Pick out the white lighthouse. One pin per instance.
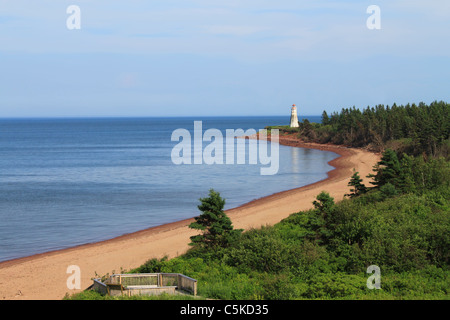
(294, 118)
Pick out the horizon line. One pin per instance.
(143, 117)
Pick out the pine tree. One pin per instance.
(387, 170)
(215, 224)
(325, 118)
(325, 206)
(324, 203)
(406, 178)
(358, 187)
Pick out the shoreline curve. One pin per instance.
(43, 276)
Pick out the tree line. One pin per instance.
(413, 129)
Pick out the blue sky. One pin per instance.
(193, 58)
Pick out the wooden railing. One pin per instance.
(148, 280)
(187, 284)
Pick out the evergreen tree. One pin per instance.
(324, 203)
(406, 177)
(215, 224)
(358, 187)
(325, 118)
(388, 169)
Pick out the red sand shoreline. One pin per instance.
(131, 250)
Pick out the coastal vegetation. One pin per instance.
(218, 232)
(400, 222)
(412, 129)
(323, 253)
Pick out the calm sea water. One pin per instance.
(65, 182)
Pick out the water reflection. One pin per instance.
(295, 156)
(308, 162)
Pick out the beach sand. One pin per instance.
(44, 276)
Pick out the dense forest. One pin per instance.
(400, 222)
(413, 129)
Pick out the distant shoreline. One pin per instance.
(25, 278)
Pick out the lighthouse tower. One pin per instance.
(294, 118)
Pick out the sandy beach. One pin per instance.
(44, 276)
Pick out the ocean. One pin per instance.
(67, 182)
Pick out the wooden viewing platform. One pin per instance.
(145, 284)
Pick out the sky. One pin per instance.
(219, 58)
